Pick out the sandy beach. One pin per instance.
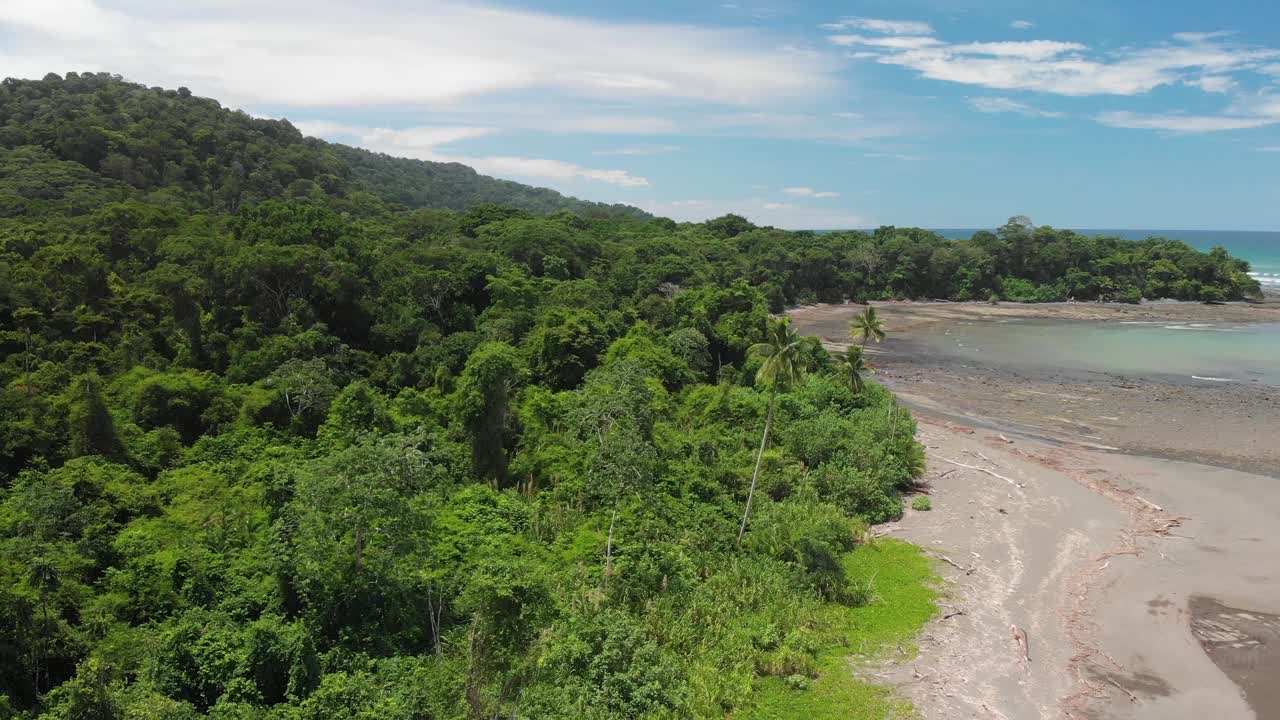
(1143, 578)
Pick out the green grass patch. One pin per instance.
(921, 502)
(903, 587)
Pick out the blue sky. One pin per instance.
(1078, 113)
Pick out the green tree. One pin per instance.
(46, 578)
(92, 430)
(851, 366)
(356, 509)
(782, 367)
(358, 409)
(483, 403)
(866, 326)
(306, 386)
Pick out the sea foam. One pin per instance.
(1268, 279)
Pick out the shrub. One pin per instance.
(922, 503)
(797, 682)
(810, 536)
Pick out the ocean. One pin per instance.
(1261, 249)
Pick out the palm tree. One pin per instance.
(866, 326)
(851, 366)
(44, 576)
(782, 366)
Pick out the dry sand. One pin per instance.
(1146, 587)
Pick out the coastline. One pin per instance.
(1167, 416)
(1145, 583)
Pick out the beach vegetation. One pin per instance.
(866, 326)
(781, 366)
(851, 366)
(921, 503)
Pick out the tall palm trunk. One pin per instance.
(764, 439)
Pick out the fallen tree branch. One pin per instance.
(980, 469)
(1149, 504)
(1132, 697)
(1024, 643)
(954, 564)
(950, 615)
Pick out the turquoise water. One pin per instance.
(1261, 249)
(1207, 352)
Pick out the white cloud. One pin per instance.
(897, 42)
(809, 192)
(1262, 105)
(327, 53)
(1022, 24)
(1196, 37)
(762, 212)
(82, 19)
(1180, 123)
(326, 128)
(1069, 68)
(549, 169)
(1212, 83)
(639, 150)
(423, 143)
(886, 27)
(1034, 50)
(890, 156)
(1005, 105)
(1244, 113)
(420, 138)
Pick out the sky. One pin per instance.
(934, 113)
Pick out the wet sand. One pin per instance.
(1146, 581)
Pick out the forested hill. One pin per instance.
(191, 151)
(453, 186)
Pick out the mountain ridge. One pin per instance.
(152, 139)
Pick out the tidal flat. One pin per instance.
(1121, 511)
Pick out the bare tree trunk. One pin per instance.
(434, 614)
(764, 439)
(359, 549)
(608, 551)
(475, 701)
